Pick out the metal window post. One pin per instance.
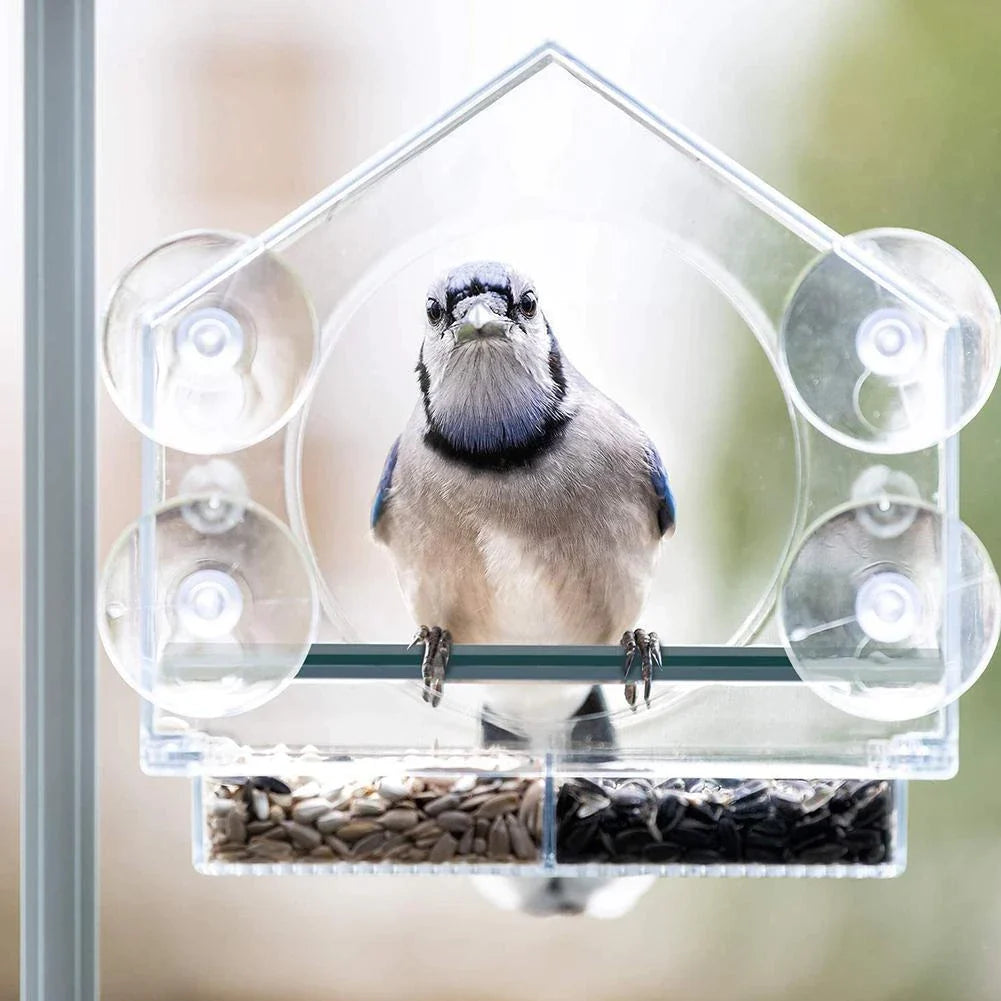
(58, 822)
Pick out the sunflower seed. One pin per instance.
(423, 828)
(260, 804)
(521, 843)
(395, 840)
(454, 821)
(331, 821)
(465, 843)
(230, 855)
(396, 852)
(308, 791)
(277, 850)
(322, 852)
(236, 828)
(497, 805)
(441, 804)
(529, 802)
(370, 806)
(357, 829)
(464, 784)
(592, 805)
(443, 850)
(341, 848)
(302, 836)
(480, 846)
(307, 810)
(392, 790)
(499, 843)
(269, 784)
(399, 819)
(369, 845)
(470, 803)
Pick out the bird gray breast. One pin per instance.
(561, 550)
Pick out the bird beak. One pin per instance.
(480, 322)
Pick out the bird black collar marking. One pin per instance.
(500, 460)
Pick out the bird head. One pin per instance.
(483, 308)
(490, 369)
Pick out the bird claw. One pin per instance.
(437, 648)
(648, 647)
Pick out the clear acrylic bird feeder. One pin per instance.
(812, 661)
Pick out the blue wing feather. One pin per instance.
(665, 499)
(385, 483)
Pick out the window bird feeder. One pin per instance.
(268, 375)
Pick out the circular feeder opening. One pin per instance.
(642, 325)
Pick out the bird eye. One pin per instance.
(528, 304)
(434, 311)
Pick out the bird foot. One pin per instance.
(437, 648)
(647, 645)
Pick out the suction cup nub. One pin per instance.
(889, 610)
(209, 344)
(891, 342)
(207, 606)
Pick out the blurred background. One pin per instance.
(229, 114)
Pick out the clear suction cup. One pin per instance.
(888, 368)
(222, 371)
(889, 610)
(207, 607)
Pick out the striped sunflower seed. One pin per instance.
(341, 848)
(441, 804)
(497, 805)
(499, 842)
(274, 850)
(307, 810)
(529, 802)
(260, 804)
(454, 821)
(331, 821)
(521, 843)
(302, 836)
(443, 850)
(357, 829)
(236, 828)
(399, 819)
(423, 828)
(368, 806)
(369, 845)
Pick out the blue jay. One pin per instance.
(520, 504)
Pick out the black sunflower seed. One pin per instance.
(705, 821)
